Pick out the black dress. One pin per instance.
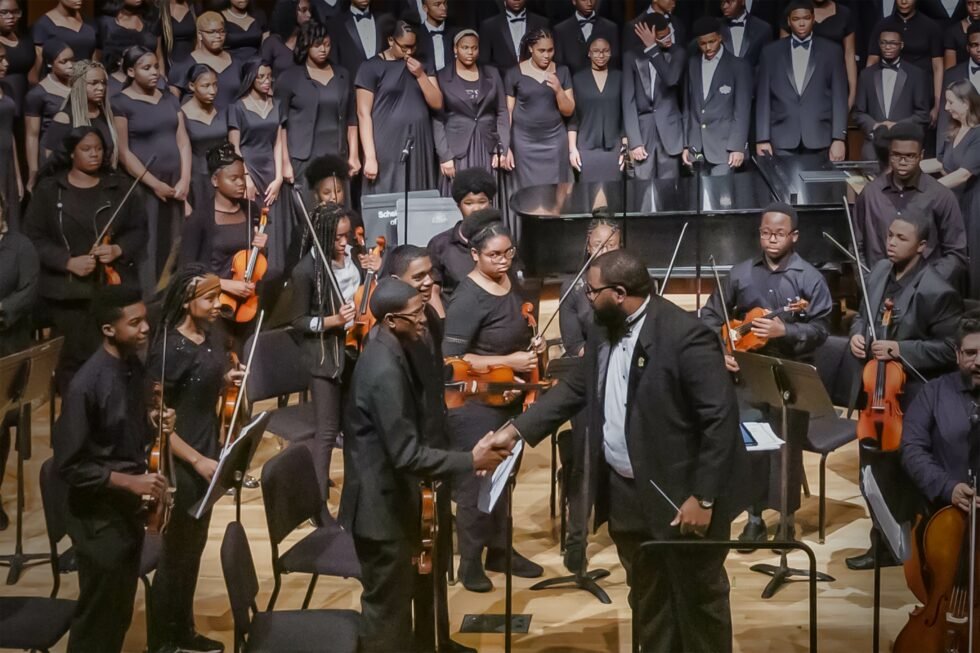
(399, 112)
(43, 104)
(835, 28)
(203, 137)
(243, 44)
(955, 39)
(114, 39)
(538, 139)
(967, 155)
(598, 120)
(53, 138)
(20, 60)
(275, 51)
(19, 268)
(8, 173)
(229, 80)
(185, 38)
(83, 43)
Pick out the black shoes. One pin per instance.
(455, 647)
(753, 532)
(198, 643)
(520, 566)
(866, 560)
(473, 577)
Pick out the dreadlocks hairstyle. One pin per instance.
(325, 218)
(180, 290)
(77, 102)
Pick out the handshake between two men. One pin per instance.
(493, 449)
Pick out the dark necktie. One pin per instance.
(736, 23)
(586, 21)
(517, 19)
(974, 70)
(437, 30)
(889, 66)
(801, 44)
(364, 16)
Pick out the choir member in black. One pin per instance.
(744, 34)
(595, 132)
(395, 93)
(890, 91)
(318, 100)
(328, 180)
(939, 429)
(323, 11)
(651, 100)
(127, 23)
(65, 22)
(501, 36)
(287, 20)
(654, 415)
(435, 37)
(772, 281)
(475, 119)
(358, 34)
(485, 327)
(801, 92)
(969, 70)
(20, 53)
(210, 51)
(923, 48)
(906, 189)
(719, 102)
(19, 268)
(575, 34)
(87, 104)
(196, 373)
(246, 28)
(68, 210)
(152, 139)
(832, 21)
(100, 443)
(45, 100)
(178, 30)
(320, 321)
(540, 98)
(206, 126)
(11, 184)
(954, 41)
(386, 454)
(473, 191)
(632, 40)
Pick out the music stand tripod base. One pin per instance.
(782, 574)
(585, 582)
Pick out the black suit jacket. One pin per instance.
(786, 118)
(571, 49)
(756, 35)
(425, 46)
(719, 124)
(682, 427)
(496, 45)
(384, 451)
(298, 95)
(453, 127)
(346, 49)
(324, 13)
(632, 42)
(911, 99)
(665, 105)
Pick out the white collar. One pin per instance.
(713, 62)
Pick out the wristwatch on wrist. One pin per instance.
(706, 503)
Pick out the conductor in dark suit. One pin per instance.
(801, 92)
(719, 102)
(744, 34)
(574, 34)
(890, 91)
(651, 101)
(385, 458)
(654, 416)
(500, 36)
(356, 36)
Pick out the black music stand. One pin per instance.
(232, 467)
(25, 379)
(782, 385)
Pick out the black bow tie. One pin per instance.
(889, 66)
(437, 30)
(517, 19)
(586, 21)
(974, 70)
(801, 44)
(364, 16)
(736, 23)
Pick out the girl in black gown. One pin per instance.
(485, 326)
(87, 104)
(954, 39)
(211, 52)
(64, 22)
(197, 371)
(595, 133)
(44, 101)
(207, 128)
(127, 23)
(288, 18)
(246, 28)
(394, 96)
(178, 30)
(76, 194)
(20, 52)
(11, 185)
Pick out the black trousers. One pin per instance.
(327, 402)
(172, 595)
(108, 538)
(680, 601)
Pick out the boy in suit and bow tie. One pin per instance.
(356, 36)
(574, 34)
(500, 36)
(744, 34)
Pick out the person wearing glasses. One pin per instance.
(211, 52)
(903, 188)
(485, 327)
(772, 280)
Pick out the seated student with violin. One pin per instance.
(196, 370)
(100, 444)
(386, 456)
(473, 190)
(783, 303)
(916, 313)
(486, 326)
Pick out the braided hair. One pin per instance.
(531, 39)
(180, 290)
(77, 102)
(326, 219)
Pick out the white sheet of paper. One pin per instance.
(493, 485)
(766, 439)
(898, 536)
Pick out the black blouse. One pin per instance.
(598, 117)
(478, 322)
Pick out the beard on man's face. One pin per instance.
(612, 318)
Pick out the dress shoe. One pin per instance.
(866, 560)
(198, 643)
(520, 566)
(754, 531)
(473, 577)
(455, 647)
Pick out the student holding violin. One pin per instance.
(197, 371)
(485, 326)
(769, 284)
(924, 311)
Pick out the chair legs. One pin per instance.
(275, 588)
(552, 498)
(309, 591)
(823, 496)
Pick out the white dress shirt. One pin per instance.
(438, 33)
(617, 385)
(708, 68)
(887, 8)
(950, 6)
(653, 70)
(974, 74)
(349, 280)
(801, 59)
(585, 27)
(517, 29)
(738, 33)
(888, 77)
(748, 5)
(366, 32)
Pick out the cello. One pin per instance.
(160, 460)
(248, 265)
(364, 319)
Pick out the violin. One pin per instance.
(880, 422)
(947, 620)
(364, 319)
(740, 331)
(109, 274)
(534, 377)
(496, 385)
(160, 460)
(229, 401)
(248, 265)
(428, 527)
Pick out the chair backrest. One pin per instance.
(278, 367)
(54, 499)
(829, 361)
(289, 491)
(238, 568)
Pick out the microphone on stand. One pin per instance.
(407, 150)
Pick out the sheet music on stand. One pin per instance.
(897, 535)
(493, 485)
(235, 459)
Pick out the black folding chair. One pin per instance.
(292, 497)
(278, 371)
(296, 631)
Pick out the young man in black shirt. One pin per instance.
(100, 447)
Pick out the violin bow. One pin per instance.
(724, 305)
(857, 259)
(319, 247)
(847, 252)
(122, 203)
(673, 258)
(241, 391)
